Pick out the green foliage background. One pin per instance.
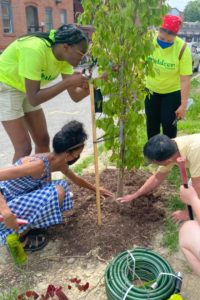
(192, 11)
(122, 39)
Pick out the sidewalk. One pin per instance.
(58, 111)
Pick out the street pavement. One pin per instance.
(58, 111)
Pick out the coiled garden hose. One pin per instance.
(139, 274)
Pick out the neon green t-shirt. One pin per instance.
(168, 68)
(30, 58)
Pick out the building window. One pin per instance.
(49, 18)
(63, 16)
(32, 19)
(7, 16)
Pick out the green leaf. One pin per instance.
(121, 40)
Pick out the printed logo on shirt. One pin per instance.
(47, 77)
(162, 62)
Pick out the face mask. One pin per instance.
(71, 162)
(164, 44)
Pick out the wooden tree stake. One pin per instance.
(95, 149)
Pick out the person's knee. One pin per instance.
(61, 193)
(185, 233)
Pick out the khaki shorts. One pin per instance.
(13, 103)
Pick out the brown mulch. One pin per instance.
(123, 225)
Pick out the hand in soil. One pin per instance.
(180, 216)
(126, 198)
(106, 192)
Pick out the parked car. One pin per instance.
(195, 56)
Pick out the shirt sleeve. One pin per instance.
(30, 63)
(165, 169)
(67, 69)
(186, 62)
(193, 158)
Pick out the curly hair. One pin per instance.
(71, 137)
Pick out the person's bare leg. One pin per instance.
(36, 124)
(189, 240)
(61, 194)
(19, 136)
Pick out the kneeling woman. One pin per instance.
(27, 191)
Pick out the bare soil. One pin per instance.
(123, 225)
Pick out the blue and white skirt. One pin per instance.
(39, 207)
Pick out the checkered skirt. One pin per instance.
(34, 200)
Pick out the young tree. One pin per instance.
(122, 40)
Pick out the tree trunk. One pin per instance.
(120, 181)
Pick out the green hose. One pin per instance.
(141, 266)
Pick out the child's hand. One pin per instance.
(179, 216)
(187, 195)
(10, 221)
(127, 198)
(106, 192)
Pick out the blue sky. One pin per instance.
(180, 4)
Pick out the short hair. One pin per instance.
(159, 148)
(71, 137)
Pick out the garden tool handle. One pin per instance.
(181, 164)
(178, 284)
(19, 221)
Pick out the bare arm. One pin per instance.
(195, 203)
(4, 209)
(152, 183)
(84, 183)
(185, 91)
(36, 95)
(9, 217)
(196, 185)
(77, 93)
(34, 169)
(78, 180)
(190, 197)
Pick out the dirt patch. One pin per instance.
(123, 225)
(80, 248)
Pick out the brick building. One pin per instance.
(190, 32)
(21, 16)
(78, 9)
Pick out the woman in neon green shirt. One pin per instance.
(28, 64)
(170, 85)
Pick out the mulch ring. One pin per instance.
(123, 225)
